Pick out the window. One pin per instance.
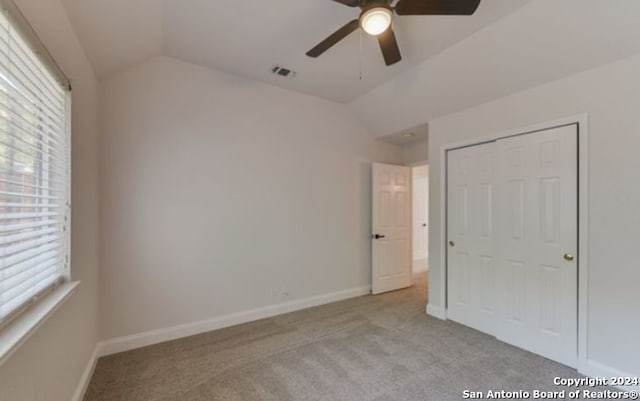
(34, 171)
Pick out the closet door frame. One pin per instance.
(582, 122)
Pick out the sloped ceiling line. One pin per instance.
(248, 37)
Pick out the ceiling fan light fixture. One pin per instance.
(376, 21)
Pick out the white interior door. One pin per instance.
(470, 228)
(536, 184)
(420, 219)
(391, 215)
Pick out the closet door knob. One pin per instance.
(451, 243)
(568, 257)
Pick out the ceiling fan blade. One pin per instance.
(350, 3)
(334, 38)
(437, 7)
(389, 47)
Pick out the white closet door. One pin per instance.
(536, 237)
(391, 264)
(470, 256)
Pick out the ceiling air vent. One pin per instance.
(283, 72)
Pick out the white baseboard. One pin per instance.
(596, 369)
(134, 341)
(436, 311)
(85, 379)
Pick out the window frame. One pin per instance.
(20, 323)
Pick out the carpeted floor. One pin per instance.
(381, 348)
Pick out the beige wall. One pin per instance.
(49, 365)
(611, 97)
(219, 191)
(416, 153)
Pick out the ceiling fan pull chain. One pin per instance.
(360, 57)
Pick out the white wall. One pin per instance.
(611, 96)
(416, 153)
(218, 190)
(49, 365)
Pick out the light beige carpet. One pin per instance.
(368, 348)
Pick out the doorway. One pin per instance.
(420, 199)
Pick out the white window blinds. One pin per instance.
(34, 174)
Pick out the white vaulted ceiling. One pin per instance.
(249, 37)
(117, 34)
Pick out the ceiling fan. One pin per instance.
(376, 17)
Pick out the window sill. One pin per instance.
(19, 330)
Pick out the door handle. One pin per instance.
(424, 224)
(451, 243)
(568, 257)
(378, 236)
